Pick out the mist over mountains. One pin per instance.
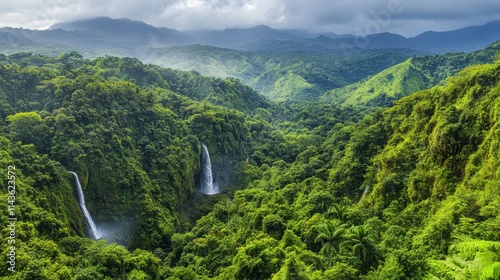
(133, 38)
(280, 64)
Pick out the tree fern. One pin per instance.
(453, 267)
(491, 272)
(473, 259)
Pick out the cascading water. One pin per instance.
(364, 192)
(207, 182)
(81, 200)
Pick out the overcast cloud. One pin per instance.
(406, 17)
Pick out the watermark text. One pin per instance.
(11, 217)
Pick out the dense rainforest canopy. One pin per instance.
(311, 190)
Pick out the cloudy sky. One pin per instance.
(406, 17)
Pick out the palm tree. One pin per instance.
(361, 243)
(331, 234)
(338, 211)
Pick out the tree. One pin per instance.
(25, 127)
(259, 259)
(338, 211)
(342, 271)
(472, 259)
(273, 225)
(331, 234)
(361, 242)
(362, 245)
(293, 269)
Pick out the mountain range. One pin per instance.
(128, 37)
(280, 64)
(370, 161)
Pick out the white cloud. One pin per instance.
(340, 16)
(197, 14)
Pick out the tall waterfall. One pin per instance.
(206, 179)
(81, 200)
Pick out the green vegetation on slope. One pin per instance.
(133, 138)
(391, 84)
(417, 73)
(428, 166)
(317, 191)
(283, 76)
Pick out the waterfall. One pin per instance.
(81, 200)
(206, 180)
(364, 192)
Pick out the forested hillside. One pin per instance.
(282, 74)
(408, 192)
(310, 190)
(129, 132)
(416, 73)
(283, 65)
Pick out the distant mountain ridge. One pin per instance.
(280, 76)
(391, 84)
(126, 37)
(126, 30)
(281, 64)
(460, 40)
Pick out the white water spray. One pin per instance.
(81, 199)
(364, 192)
(207, 182)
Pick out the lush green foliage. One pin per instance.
(428, 166)
(134, 142)
(311, 191)
(417, 73)
(286, 75)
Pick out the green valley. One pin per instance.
(282, 75)
(404, 193)
(309, 190)
(131, 151)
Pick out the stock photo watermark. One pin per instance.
(11, 218)
(378, 21)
